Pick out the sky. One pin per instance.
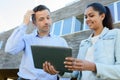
(12, 11)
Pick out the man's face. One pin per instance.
(43, 21)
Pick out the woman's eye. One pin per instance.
(91, 15)
(85, 17)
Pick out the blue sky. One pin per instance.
(12, 11)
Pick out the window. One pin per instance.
(85, 27)
(115, 11)
(67, 25)
(1, 42)
(57, 28)
(111, 7)
(78, 25)
(118, 10)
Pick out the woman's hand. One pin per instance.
(47, 67)
(80, 65)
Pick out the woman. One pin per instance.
(99, 55)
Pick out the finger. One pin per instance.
(70, 67)
(54, 70)
(69, 59)
(51, 69)
(45, 67)
(30, 12)
(68, 63)
(75, 65)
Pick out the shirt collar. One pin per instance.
(35, 32)
(104, 31)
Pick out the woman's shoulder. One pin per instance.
(112, 33)
(115, 30)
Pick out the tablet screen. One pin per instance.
(53, 54)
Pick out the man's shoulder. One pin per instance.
(29, 36)
(57, 36)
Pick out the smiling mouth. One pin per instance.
(90, 23)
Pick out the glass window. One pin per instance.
(67, 26)
(57, 28)
(1, 42)
(118, 9)
(86, 27)
(51, 29)
(78, 25)
(111, 7)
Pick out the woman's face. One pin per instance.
(93, 18)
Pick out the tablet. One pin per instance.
(55, 55)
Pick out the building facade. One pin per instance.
(68, 22)
(75, 22)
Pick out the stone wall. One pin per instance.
(74, 40)
(76, 9)
(10, 62)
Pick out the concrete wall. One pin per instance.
(75, 9)
(8, 61)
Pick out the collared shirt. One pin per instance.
(20, 41)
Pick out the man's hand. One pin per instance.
(47, 67)
(73, 79)
(27, 17)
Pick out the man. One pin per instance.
(19, 41)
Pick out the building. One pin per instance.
(71, 16)
(74, 18)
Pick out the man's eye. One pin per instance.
(41, 19)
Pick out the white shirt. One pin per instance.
(89, 57)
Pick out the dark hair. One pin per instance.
(107, 22)
(39, 8)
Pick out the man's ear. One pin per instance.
(34, 23)
(33, 18)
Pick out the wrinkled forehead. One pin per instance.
(42, 13)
